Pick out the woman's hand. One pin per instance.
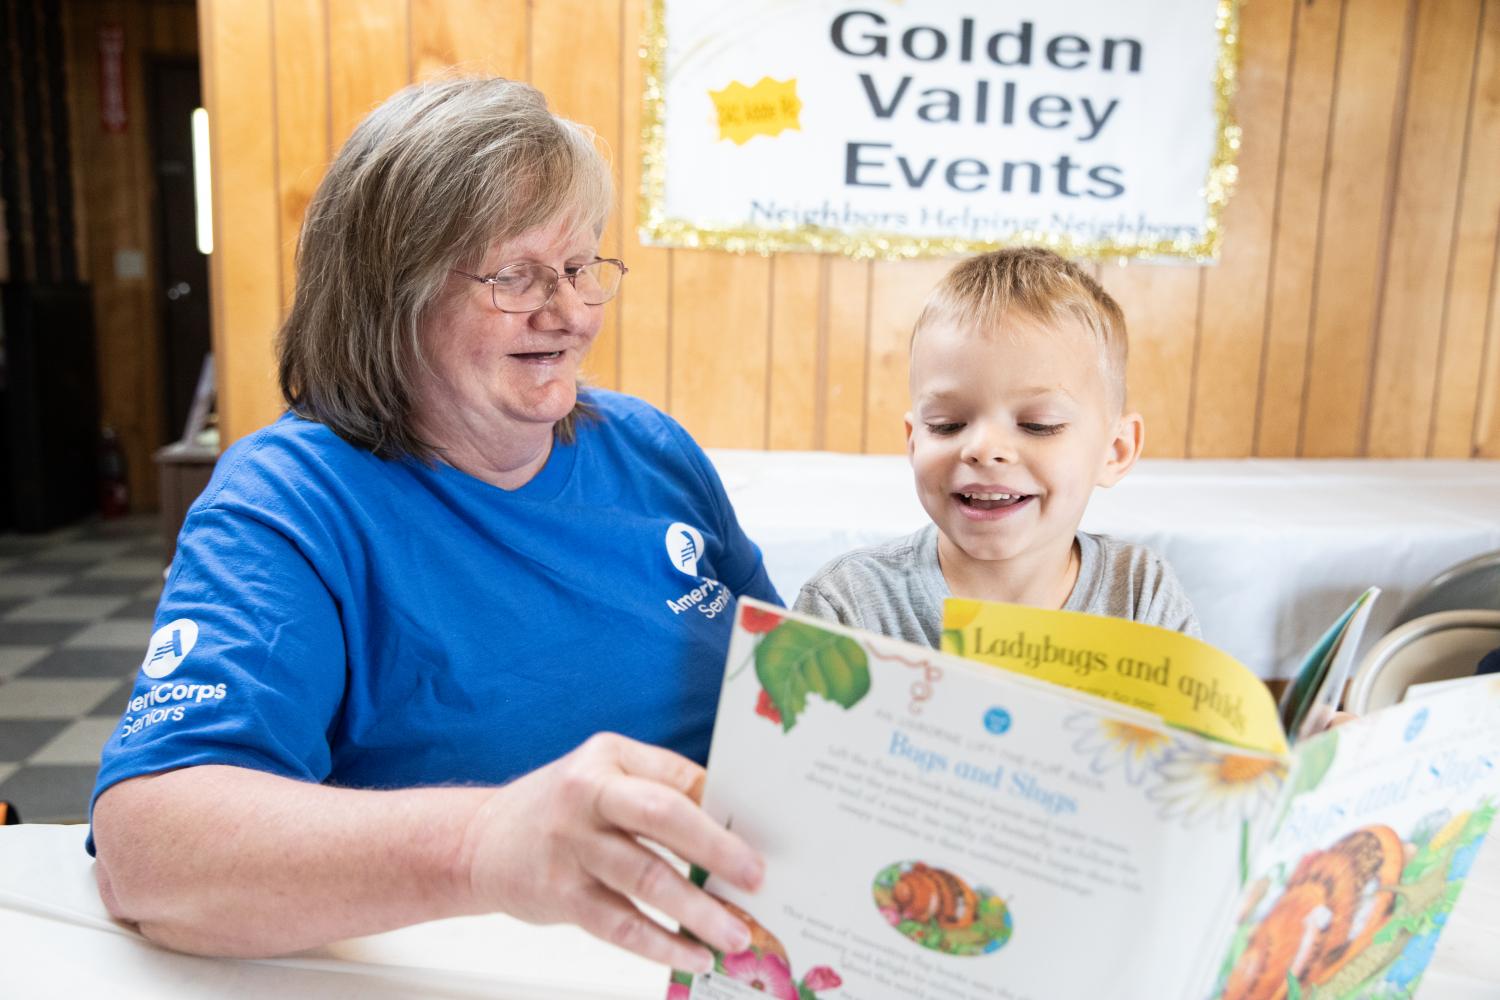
(560, 845)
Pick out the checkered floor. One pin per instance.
(75, 613)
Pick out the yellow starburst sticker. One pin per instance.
(768, 108)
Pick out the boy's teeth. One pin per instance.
(992, 496)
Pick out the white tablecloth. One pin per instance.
(1270, 551)
(57, 941)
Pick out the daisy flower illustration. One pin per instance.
(1110, 741)
(1199, 782)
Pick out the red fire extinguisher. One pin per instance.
(114, 490)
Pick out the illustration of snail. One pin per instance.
(1332, 907)
(924, 894)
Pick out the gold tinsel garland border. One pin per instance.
(657, 230)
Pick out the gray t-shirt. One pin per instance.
(897, 588)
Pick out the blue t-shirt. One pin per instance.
(335, 617)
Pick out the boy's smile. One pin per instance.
(983, 503)
(1010, 431)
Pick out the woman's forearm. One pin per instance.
(228, 861)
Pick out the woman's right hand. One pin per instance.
(560, 845)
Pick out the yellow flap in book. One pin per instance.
(1184, 681)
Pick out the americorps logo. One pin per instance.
(684, 547)
(708, 597)
(169, 646)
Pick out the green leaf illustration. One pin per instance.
(1314, 761)
(797, 659)
(1479, 823)
(1314, 758)
(1425, 861)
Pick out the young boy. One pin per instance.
(1017, 413)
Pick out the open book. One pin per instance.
(956, 827)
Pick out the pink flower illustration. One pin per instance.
(821, 978)
(765, 972)
(678, 991)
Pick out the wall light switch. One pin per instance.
(130, 265)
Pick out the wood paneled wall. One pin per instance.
(1353, 311)
(38, 237)
(117, 211)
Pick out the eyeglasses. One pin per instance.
(526, 287)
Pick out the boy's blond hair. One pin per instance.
(1035, 283)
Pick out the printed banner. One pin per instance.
(878, 128)
(113, 113)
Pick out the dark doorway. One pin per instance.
(183, 274)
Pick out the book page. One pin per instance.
(1313, 697)
(1380, 822)
(1430, 688)
(1184, 681)
(935, 828)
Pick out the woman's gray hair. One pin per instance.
(425, 184)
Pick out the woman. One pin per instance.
(398, 616)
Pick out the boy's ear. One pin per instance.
(1124, 449)
(907, 420)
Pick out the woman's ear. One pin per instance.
(1123, 449)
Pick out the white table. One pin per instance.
(1270, 551)
(56, 940)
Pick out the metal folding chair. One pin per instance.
(1474, 583)
(1436, 647)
